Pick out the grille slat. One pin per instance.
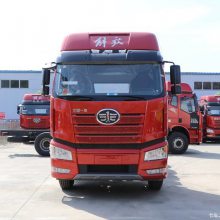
(91, 119)
(108, 129)
(129, 129)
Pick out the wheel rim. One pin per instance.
(178, 143)
(45, 144)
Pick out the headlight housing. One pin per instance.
(59, 153)
(157, 154)
(209, 130)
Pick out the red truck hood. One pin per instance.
(140, 121)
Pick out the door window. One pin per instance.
(174, 101)
(188, 104)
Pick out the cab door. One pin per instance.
(189, 117)
(173, 113)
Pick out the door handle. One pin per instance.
(180, 120)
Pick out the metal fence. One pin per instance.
(9, 124)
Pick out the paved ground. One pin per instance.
(192, 190)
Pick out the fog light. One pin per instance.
(156, 171)
(60, 170)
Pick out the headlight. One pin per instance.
(157, 154)
(59, 153)
(208, 130)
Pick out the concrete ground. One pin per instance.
(27, 191)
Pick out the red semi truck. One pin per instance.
(210, 107)
(109, 109)
(34, 123)
(184, 119)
(34, 111)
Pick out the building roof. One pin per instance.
(20, 71)
(197, 73)
(39, 71)
(110, 41)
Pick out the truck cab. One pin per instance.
(34, 111)
(210, 108)
(109, 109)
(184, 119)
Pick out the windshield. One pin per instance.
(35, 110)
(213, 110)
(144, 80)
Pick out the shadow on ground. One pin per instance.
(12, 156)
(199, 154)
(133, 200)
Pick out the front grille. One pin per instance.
(42, 124)
(217, 123)
(128, 130)
(108, 169)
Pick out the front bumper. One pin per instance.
(64, 169)
(213, 136)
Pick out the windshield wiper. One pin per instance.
(130, 97)
(77, 98)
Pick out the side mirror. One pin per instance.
(175, 77)
(46, 82)
(46, 77)
(18, 109)
(202, 109)
(46, 90)
(176, 89)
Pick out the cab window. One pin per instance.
(174, 101)
(188, 104)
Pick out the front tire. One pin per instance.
(178, 143)
(155, 184)
(66, 184)
(42, 144)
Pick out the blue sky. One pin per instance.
(188, 31)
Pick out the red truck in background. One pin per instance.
(210, 108)
(184, 119)
(109, 109)
(34, 112)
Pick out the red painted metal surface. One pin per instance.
(36, 98)
(110, 41)
(35, 122)
(210, 98)
(141, 122)
(109, 157)
(184, 87)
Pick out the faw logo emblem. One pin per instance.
(108, 116)
(36, 120)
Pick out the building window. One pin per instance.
(14, 83)
(216, 85)
(4, 83)
(207, 85)
(197, 85)
(24, 84)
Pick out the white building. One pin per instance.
(201, 83)
(13, 85)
